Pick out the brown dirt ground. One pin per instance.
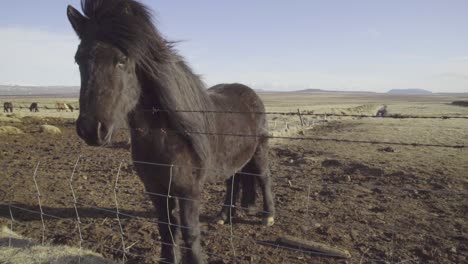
(378, 213)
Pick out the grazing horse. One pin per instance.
(62, 107)
(70, 107)
(34, 107)
(127, 71)
(382, 112)
(8, 107)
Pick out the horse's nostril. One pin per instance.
(104, 132)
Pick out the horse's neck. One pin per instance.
(146, 114)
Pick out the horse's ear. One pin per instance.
(77, 20)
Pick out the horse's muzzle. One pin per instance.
(94, 133)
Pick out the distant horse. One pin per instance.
(382, 112)
(127, 70)
(8, 107)
(34, 107)
(62, 107)
(70, 107)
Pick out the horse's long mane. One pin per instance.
(128, 25)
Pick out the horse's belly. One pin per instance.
(231, 159)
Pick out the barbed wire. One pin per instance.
(290, 113)
(304, 138)
(306, 113)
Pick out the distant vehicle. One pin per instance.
(8, 107)
(34, 107)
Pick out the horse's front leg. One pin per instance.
(189, 216)
(168, 228)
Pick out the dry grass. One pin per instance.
(9, 130)
(15, 249)
(6, 119)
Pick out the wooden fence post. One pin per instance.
(300, 117)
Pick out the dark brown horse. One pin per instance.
(34, 107)
(382, 112)
(8, 107)
(127, 68)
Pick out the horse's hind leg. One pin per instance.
(232, 192)
(259, 165)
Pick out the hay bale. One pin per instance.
(15, 249)
(7, 119)
(48, 129)
(9, 130)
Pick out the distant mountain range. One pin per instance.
(409, 91)
(16, 90)
(329, 91)
(73, 91)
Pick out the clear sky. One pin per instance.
(370, 45)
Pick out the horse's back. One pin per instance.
(239, 111)
(236, 97)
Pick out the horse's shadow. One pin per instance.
(28, 213)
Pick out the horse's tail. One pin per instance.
(249, 190)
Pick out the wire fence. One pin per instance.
(124, 250)
(234, 239)
(299, 113)
(302, 124)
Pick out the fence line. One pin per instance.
(259, 242)
(304, 138)
(110, 212)
(124, 256)
(299, 113)
(117, 212)
(125, 251)
(78, 219)
(180, 226)
(39, 201)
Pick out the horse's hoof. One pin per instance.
(269, 221)
(220, 222)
